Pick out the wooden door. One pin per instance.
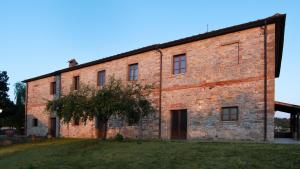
(53, 127)
(100, 128)
(178, 124)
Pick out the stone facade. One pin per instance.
(226, 70)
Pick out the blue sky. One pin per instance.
(38, 37)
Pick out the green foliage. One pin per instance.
(73, 106)
(6, 105)
(107, 101)
(7, 117)
(13, 115)
(118, 137)
(4, 101)
(127, 101)
(135, 102)
(19, 117)
(282, 122)
(3, 86)
(20, 90)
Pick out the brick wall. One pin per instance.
(226, 70)
(38, 95)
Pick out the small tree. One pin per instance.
(3, 86)
(72, 106)
(113, 99)
(9, 116)
(105, 103)
(136, 104)
(19, 117)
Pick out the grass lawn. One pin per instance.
(78, 153)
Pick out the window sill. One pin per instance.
(179, 75)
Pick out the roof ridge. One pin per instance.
(276, 18)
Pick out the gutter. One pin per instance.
(265, 81)
(160, 90)
(278, 19)
(26, 101)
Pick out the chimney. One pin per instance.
(72, 63)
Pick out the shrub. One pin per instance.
(118, 137)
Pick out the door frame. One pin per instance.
(53, 129)
(99, 128)
(179, 122)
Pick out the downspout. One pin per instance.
(58, 95)
(26, 101)
(160, 90)
(265, 81)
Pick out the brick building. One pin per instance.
(216, 85)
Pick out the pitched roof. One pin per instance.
(278, 19)
(286, 107)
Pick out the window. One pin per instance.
(53, 88)
(229, 113)
(35, 122)
(133, 72)
(76, 82)
(76, 122)
(179, 64)
(101, 78)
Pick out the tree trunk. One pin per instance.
(141, 128)
(102, 128)
(105, 130)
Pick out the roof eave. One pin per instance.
(278, 19)
(279, 42)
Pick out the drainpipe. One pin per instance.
(26, 102)
(58, 95)
(265, 81)
(160, 90)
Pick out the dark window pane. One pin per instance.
(76, 82)
(179, 64)
(34, 122)
(53, 88)
(176, 67)
(233, 113)
(182, 65)
(133, 72)
(101, 78)
(183, 58)
(182, 70)
(230, 113)
(225, 114)
(76, 122)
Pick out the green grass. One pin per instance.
(79, 154)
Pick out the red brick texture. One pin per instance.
(221, 71)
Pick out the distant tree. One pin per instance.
(12, 114)
(127, 101)
(282, 122)
(8, 112)
(7, 106)
(19, 117)
(3, 88)
(20, 89)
